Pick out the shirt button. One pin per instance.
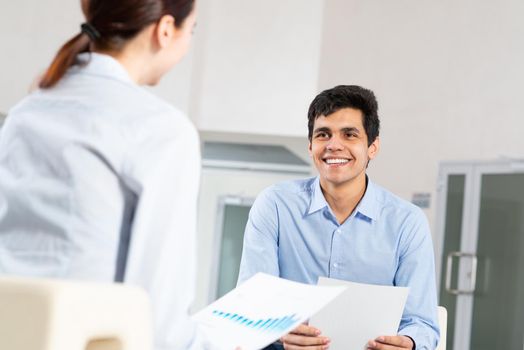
(338, 231)
(335, 265)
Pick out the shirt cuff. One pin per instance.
(422, 341)
(414, 342)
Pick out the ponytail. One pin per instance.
(64, 59)
(110, 24)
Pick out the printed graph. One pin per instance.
(277, 324)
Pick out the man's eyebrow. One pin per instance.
(321, 129)
(351, 129)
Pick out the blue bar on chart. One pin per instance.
(265, 325)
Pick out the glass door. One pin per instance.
(481, 258)
(498, 300)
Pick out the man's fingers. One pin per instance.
(296, 339)
(288, 346)
(373, 345)
(398, 342)
(304, 329)
(305, 337)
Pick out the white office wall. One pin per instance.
(448, 75)
(256, 67)
(32, 31)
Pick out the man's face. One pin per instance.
(339, 147)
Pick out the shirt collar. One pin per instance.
(368, 206)
(93, 63)
(318, 201)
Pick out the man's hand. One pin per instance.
(396, 342)
(305, 337)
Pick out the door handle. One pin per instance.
(449, 271)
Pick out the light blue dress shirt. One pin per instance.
(92, 160)
(293, 233)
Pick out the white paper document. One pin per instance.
(362, 312)
(260, 311)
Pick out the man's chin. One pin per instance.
(334, 181)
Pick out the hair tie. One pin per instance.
(90, 31)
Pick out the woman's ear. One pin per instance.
(165, 30)
(85, 6)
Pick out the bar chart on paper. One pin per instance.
(276, 324)
(260, 311)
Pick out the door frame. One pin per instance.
(223, 201)
(473, 171)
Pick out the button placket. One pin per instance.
(335, 257)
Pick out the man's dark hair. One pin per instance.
(346, 96)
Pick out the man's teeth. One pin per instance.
(337, 161)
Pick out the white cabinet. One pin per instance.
(256, 65)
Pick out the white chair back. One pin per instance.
(443, 324)
(43, 314)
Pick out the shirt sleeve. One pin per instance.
(260, 250)
(416, 270)
(164, 170)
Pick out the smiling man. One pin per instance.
(342, 225)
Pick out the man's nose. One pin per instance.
(335, 144)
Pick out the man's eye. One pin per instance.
(321, 135)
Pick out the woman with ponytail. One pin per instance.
(98, 177)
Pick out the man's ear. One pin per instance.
(165, 30)
(309, 149)
(374, 148)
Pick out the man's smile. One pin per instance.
(336, 160)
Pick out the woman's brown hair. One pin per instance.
(109, 25)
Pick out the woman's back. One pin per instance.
(73, 162)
